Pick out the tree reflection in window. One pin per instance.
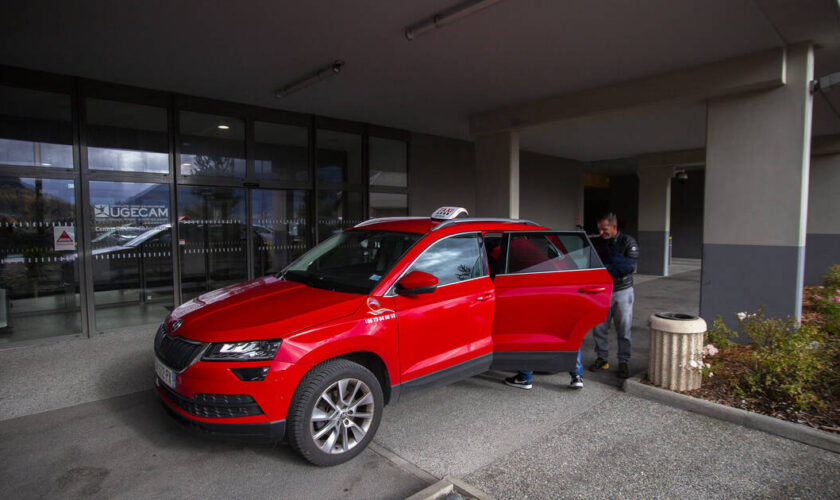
(453, 259)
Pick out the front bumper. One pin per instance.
(179, 407)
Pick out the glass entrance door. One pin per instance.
(212, 238)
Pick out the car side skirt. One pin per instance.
(541, 361)
(443, 377)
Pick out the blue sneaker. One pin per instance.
(519, 382)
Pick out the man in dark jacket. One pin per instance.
(618, 252)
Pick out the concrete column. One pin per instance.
(823, 239)
(654, 219)
(757, 160)
(497, 175)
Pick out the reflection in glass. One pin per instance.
(338, 210)
(388, 204)
(339, 157)
(454, 259)
(212, 238)
(212, 145)
(279, 227)
(352, 261)
(388, 162)
(131, 242)
(39, 279)
(536, 253)
(126, 137)
(35, 128)
(281, 152)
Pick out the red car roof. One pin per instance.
(422, 225)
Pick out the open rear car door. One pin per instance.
(551, 289)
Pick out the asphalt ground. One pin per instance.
(549, 442)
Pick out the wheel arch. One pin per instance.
(376, 365)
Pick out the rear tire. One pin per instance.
(335, 412)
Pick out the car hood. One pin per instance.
(260, 309)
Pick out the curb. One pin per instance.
(448, 485)
(771, 425)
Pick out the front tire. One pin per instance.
(334, 412)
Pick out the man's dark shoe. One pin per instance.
(576, 382)
(518, 381)
(623, 370)
(599, 364)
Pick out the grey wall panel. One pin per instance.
(552, 190)
(687, 216)
(821, 252)
(441, 172)
(653, 249)
(745, 278)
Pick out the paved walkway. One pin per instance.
(550, 442)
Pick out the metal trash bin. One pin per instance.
(675, 339)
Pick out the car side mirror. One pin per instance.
(416, 282)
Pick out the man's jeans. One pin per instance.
(578, 370)
(621, 313)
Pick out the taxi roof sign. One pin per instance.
(449, 213)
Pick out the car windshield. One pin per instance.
(352, 261)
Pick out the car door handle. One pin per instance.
(485, 297)
(592, 289)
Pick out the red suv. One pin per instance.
(372, 314)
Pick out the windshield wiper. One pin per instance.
(299, 277)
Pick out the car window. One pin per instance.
(539, 252)
(457, 258)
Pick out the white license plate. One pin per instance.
(165, 373)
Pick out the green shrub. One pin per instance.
(788, 362)
(719, 335)
(831, 278)
(828, 303)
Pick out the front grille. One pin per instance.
(176, 353)
(214, 405)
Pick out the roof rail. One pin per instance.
(386, 219)
(479, 219)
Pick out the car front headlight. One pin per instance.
(256, 350)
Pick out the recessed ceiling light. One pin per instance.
(46, 164)
(186, 164)
(222, 126)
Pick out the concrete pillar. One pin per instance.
(757, 159)
(823, 239)
(497, 175)
(654, 219)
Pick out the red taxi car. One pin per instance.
(377, 311)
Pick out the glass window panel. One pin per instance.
(537, 253)
(338, 210)
(281, 152)
(212, 145)
(388, 204)
(35, 128)
(212, 237)
(454, 259)
(131, 239)
(388, 162)
(339, 157)
(126, 137)
(280, 228)
(39, 278)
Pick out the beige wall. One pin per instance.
(552, 190)
(441, 173)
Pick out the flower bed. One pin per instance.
(787, 370)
